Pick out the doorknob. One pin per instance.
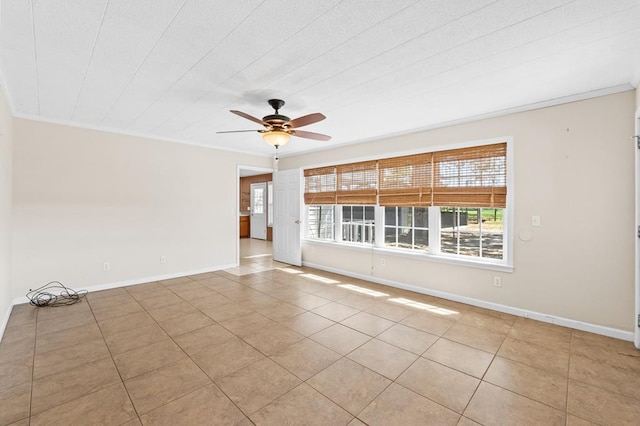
(298, 221)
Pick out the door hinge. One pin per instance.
(637, 138)
(638, 320)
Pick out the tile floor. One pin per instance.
(268, 344)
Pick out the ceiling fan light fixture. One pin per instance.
(276, 138)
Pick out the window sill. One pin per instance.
(472, 263)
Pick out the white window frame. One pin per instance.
(434, 253)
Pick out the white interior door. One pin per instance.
(259, 211)
(286, 217)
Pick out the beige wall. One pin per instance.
(574, 167)
(6, 147)
(84, 197)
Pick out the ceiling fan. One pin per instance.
(279, 128)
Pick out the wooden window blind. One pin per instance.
(357, 183)
(471, 177)
(405, 181)
(465, 177)
(320, 185)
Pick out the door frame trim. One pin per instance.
(235, 212)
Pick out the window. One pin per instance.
(474, 232)
(358, 224)
(450, 204)
(320, 222)
(406, 227)
(270, 204)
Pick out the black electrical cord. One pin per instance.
(44, 295)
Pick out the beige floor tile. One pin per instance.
(225, 312)
(156, 388)
(21, 315)
(467, 422)
(441, 384)
(133, 422)
(602, 406)
(65, 386)
(23, 422)
(165, 313)
(604, 349)
(69, 357)
(335, 311)
(255, 386)
(112, 300)
(356, 422)
(280, 311)
(340, 338)
(134, 339)
(145, 289)
(157, 301)
(577, 421)
(460, 357)
(349, 384)
(383, 358)
(307, 323)
(16, 373)
(148, 358)
(272, 338)
(116, 311)
(18, 349)
(226, 358)
(357, 301)
(53, 325)
(555, 361)
(492, 405)
(308, 301)
(400, 406)
(207, 405)
(620, 378)
(484, 321)
(68, 337)
(203, 276)
(305, 358)
(246, 324)
(287, 410)
(14, 403)
(479, 338)
(177, 326)
(49, 312)
(19, 332)
(428, 323)
(539, 333)
(408, 338)
(368, 323)
(125, 323)
(204, 338)
(540, 385)
(107, 406)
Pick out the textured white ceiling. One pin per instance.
(174, 68)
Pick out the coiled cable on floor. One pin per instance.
(46, 295)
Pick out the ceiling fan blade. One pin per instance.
(249, 117)
(238, 131)
(310, 135)
(306, 120)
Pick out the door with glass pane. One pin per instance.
(259, 211)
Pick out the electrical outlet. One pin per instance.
(163, 259)
(106, 266)
(535, 221)
(383, 262)
(497, 282)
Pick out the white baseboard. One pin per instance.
(5, 321)
(108, 286)
(565, 322)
